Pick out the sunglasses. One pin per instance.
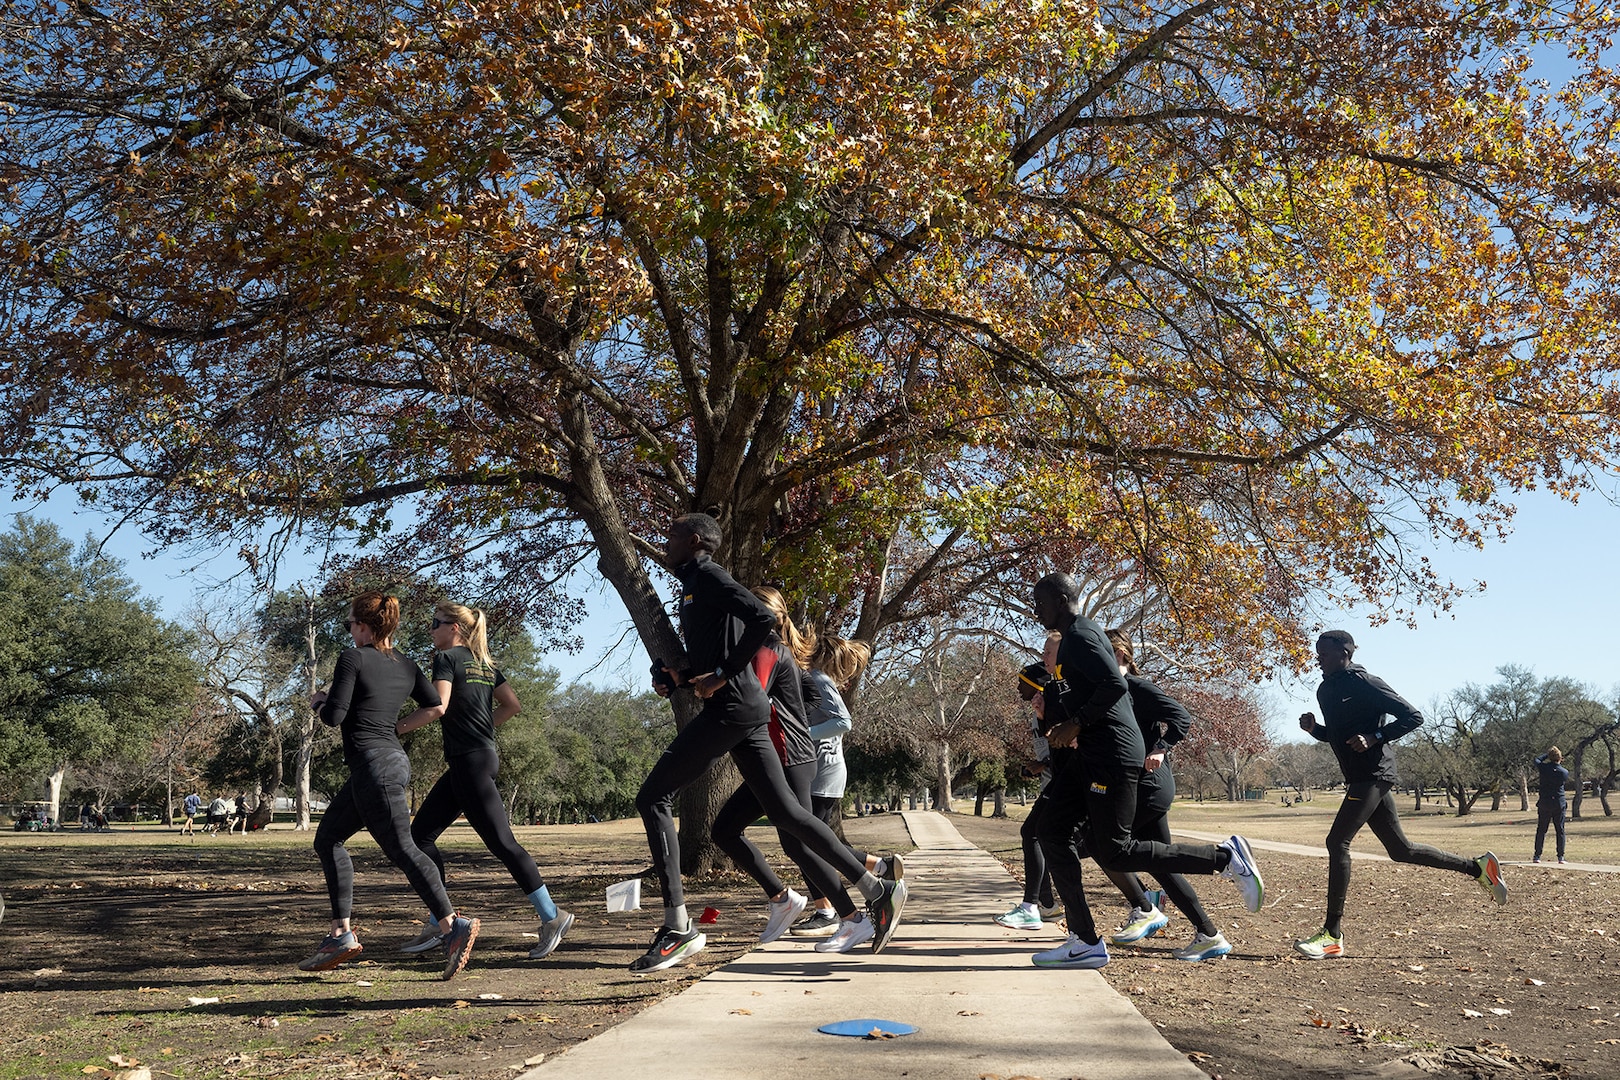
(350, 624)
(436, 623)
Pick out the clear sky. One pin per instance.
(1548, 605)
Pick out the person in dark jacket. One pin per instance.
(724, 626)
(1551, 809)
(1164, 723)
(1354, 703)
(1094, 797)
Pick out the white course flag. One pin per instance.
(624, 895)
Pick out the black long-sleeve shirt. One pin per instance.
(1163, 720)
(724, 625)
(790, 730)
(1553, 779)
(1095, 696)
(368, 689)
(1354, 702)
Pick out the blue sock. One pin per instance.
(543, 904)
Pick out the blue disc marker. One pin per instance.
(862, 1028)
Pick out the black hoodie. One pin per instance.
(724, 625)
(1354, 702)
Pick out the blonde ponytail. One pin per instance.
(474, 628)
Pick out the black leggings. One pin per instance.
(468, 787)
(743, 809)
(1369, 802)
(693, 750)
(1037, 882)
(1154, 800)
(1550, 813)
(373, 798)
(1101, 803)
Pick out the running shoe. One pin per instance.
(1020, 918)
(1141, 924)
(821, 924)
(1536, 859)
(1560, 860)
(458, 943)
(429, 938)
(551, 934)
(1049, 910)
(1490, 877)
(1244, 873)
(669, 948)
(334, 950)
(783, 912)
(894, 868)
(1073, 953)
(1203, 947)
(1320, 945)
(885, 913)
(851, 932)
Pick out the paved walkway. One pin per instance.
(979, 1006)
(1375, 856)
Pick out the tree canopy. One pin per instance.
(1229, 298)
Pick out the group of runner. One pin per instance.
(1104, 735)
(769, 697)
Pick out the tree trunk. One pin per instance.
(1417, 802)
(999, 809)
(53, 792)
(978, 800)
(1524, 791)
(942, 778)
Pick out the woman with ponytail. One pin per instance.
(477, 700)
(370, 685)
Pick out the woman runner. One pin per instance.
(477, 700)
(370, 684)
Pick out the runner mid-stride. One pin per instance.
(1354, 703)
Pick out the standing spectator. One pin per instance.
(190, 808)
(1551, 809)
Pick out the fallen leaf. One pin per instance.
(42, 972)
(149, 989)
(742, 1012)
(536, 1060)
(879, 1033)
(361, 982)
(143, 1073)
(202, 1001)
(460, 1004)
(122, 1062)
(1534, 982)
(968, 1012)
(1470, 1013)
(1421, 1004)
(1502, 1012)
(267, 1022)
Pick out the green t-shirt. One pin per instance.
(468, 722)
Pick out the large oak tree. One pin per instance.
(915, 297)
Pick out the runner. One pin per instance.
(1038, 900)
(371, 683)
(1550, 805)
(1164, 723)
(1354, 703)
(1095, 794)
(834, 666)
(776, 666)
(477, 700)
(724, 625)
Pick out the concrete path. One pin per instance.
(979, 1006)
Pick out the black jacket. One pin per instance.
(1095, 695)
(1354, 702)
(724, 625)
(1552, 781)
(1163, 720)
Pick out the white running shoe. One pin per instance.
(1141, 924)
(1020, 918)
(551, 934)
(1073, 953)
(1244, 873)
(853, 931)
(783, 912)
(1202, 947)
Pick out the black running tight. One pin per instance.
(468, 787)
(373, 799)
(1370, 803)
(743, 809)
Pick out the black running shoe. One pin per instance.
(818, 925)
(669, 948)
(885, 913)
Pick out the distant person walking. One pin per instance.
(1354, 703)
(369, 687)
(477, 700)
(1551, 808)
(190, 808)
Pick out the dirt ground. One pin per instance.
(111, 937)
(1435, 972)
